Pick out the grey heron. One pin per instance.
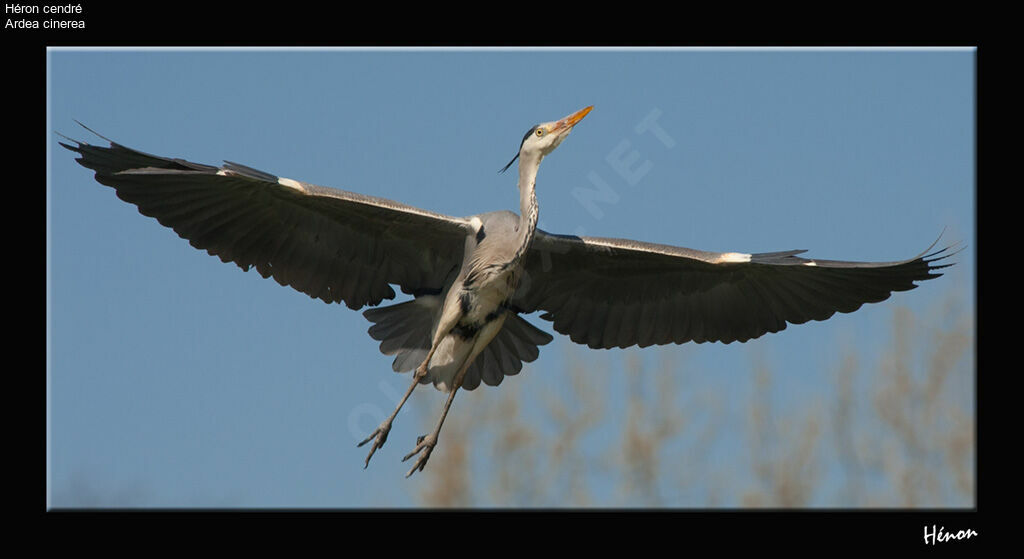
(472, 278)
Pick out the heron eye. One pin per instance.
(540, 131)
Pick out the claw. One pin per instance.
(424, 444)
(381, 434)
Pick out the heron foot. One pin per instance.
(424, 446)
(381, 435)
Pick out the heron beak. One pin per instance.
(568, 122)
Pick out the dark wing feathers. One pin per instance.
(331, 244)
(617, 293)
(345, 247)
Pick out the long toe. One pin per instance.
(379, 437)
(424, 446)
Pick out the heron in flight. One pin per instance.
(472, 278)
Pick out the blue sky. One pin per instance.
(178, 380)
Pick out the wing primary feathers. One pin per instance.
(585, 285)
(330, 244)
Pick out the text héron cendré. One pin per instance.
(47, 23)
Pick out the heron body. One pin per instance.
(472, 278)
(476, 305)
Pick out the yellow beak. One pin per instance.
(571, 120)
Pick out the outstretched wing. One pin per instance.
(617, 293)
(330, 244)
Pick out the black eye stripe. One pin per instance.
(527, 135)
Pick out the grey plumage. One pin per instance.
(404, 331)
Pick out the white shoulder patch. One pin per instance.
(290, 184)
(476, 223)
(734, 257)
(810, 263)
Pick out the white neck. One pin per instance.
(528, 209)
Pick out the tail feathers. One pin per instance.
(514, 345)
(405, 329)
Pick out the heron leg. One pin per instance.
(425, 443)
(382, 430)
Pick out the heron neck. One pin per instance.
(529, 211)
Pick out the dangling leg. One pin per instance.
(382, 430)
(425, 443)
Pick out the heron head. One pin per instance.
(543, 138)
